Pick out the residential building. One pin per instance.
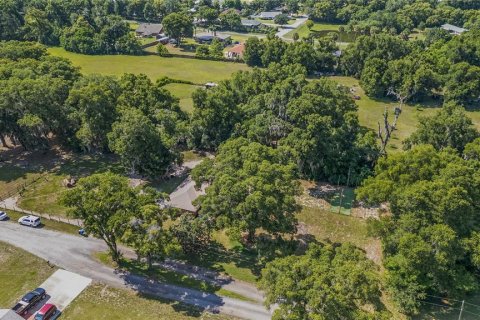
(269, 15)
(146, 30)
(235, 52)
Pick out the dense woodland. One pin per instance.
(268, 128)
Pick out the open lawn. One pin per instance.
(303, 30)
(20, 272)
(184, 93)
(101, 302)
(43, 195)
(370, 112)
(197, 71)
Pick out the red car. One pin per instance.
(47, 312)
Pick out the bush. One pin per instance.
(162, 51)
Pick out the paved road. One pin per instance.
(282, 31)
(74, 253)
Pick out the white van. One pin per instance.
(30, 221)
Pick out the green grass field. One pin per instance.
(197, 71)
(303, 31)
(101, 302)
(43, 195)
(370, 112)
(184, 93)
(20, 272)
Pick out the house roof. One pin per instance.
(208, 36)
(270, 14)
(450, 27)
(250, 23)
(239, 48)
(7, 314)
(184, 196)
(149, 28)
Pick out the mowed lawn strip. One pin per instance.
(184, 93)
(195, 70)
(101, 302)
(20, 272)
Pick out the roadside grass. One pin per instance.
(46, 223)
(166, 276)
(197, 71)
(20, 272)
(101, 302)
(43, 195)
(184, 93)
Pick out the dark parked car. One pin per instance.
(29, 300)
(34, 296)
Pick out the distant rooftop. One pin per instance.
(250, 23)
(454, 29)
(148, 29)
(269, 14)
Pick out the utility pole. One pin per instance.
(461, 310)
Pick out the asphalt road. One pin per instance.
(74, 253)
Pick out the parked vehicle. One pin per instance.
(48, 311)
(29, 300)
(31, 221)
(3, 215)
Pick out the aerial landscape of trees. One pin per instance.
(261, 134)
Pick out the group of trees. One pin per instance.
(81, 26)
(279, 107)
(393, 16)
(318, 57)
(132, 117)
(418, 70)
(430, 240)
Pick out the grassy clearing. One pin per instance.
(329, 226)
(20, 272)
(370, 112)
(13, 179)
(198, 71)
(101, 302)
(303, 30)
(184, 93)
(43, 195)
(167, 276)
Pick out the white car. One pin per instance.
(3, 216)
(30, 221)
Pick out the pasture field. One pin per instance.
(197, 71)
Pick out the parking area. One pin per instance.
(62, 288)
